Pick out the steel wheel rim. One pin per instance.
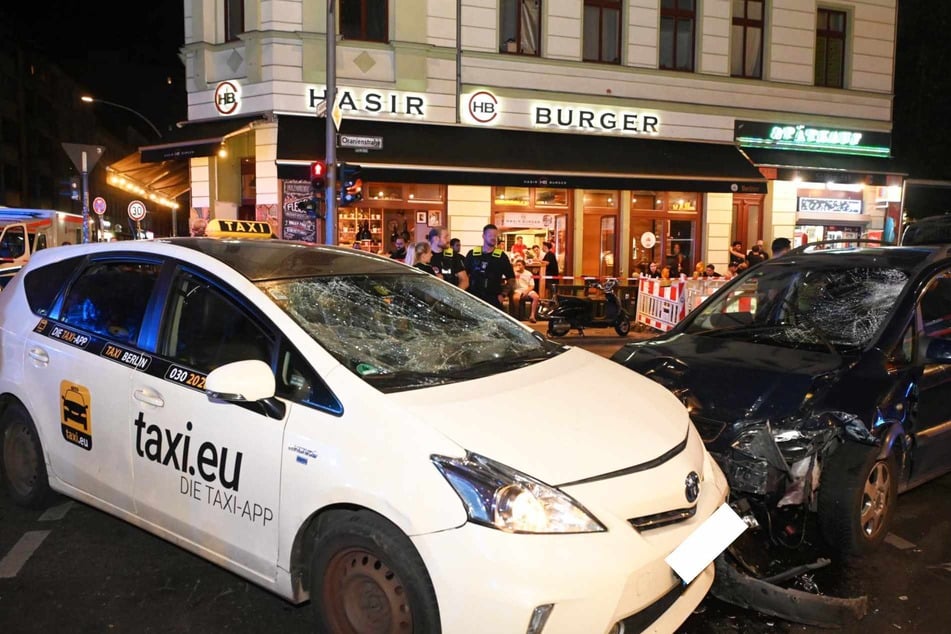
(362, 595)
(19, 459)
(876, 499)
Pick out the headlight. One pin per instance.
(503, 498)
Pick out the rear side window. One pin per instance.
(110, 298)
(43, 285)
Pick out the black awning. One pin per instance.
(466, 155)
(196, 139)
(821, 167)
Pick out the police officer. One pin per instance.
(445, 260)
(489, 268)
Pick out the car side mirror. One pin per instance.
(241, 382)
(939, 350)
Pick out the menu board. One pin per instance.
(297, 224)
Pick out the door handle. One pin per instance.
(39, 355)
(149, 397)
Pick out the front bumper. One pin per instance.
(490, 581)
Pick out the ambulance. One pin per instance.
(23, 232)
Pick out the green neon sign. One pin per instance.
(801, 135)
(812, 139)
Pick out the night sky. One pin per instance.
(121, 51)
(127, 52)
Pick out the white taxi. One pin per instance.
(341, 428)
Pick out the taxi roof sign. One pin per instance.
(219, 228)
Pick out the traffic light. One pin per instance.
(318, 175)
(70, 187)
(309, 206)
(351, 185)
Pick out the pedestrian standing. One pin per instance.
(551, 265)
(399, 249)
(422, 255)
(737, 256)
(489, 268)
(781, 246)
(451, 265)
(755, 256)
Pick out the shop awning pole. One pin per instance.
(330, 141)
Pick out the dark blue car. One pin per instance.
(821, 382)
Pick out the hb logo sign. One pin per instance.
(483, 107)
(227, 97)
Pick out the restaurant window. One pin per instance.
(520, 27)
(602, 31)
(512, 196)
(363, 20)
(535, 214)
(599, 241)
(389, 211)
(234, 19)
(746, 53)
(677, 22)
(830, 48)
(665, 230)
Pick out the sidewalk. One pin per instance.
(596, 335)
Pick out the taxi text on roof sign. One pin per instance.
(218, 228)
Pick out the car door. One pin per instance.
(80, 358)
(932, 428)
(207, 471)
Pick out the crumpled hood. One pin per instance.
(571, 417)
(732, 380)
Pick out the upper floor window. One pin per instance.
(678, 20)
(746, 54)
(830, 48)
(363, 20)
(602, 31)
(234, 19)
(521, 25)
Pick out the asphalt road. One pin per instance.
(72, 568)
(85, 571)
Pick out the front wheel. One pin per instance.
(623, 326)
(857, 496)
(366, 577)
(23, 466)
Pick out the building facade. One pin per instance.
(626, 132)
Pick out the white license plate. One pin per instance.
(704, 544)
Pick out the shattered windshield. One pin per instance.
(828, 308)
(406, 330)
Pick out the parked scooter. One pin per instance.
(567, 312)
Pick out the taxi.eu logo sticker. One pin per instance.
(76, 416)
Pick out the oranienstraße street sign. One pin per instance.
(360, 142)
(75, 153)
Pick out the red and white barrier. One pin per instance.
(660, 305)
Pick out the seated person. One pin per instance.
(525, 287)
(711, 271)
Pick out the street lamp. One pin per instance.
(88, 99)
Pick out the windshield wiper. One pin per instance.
(502, 364)
(406, 379)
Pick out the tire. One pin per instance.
(857, 496)
(24, 467)
(623, 327)
(366, 577)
